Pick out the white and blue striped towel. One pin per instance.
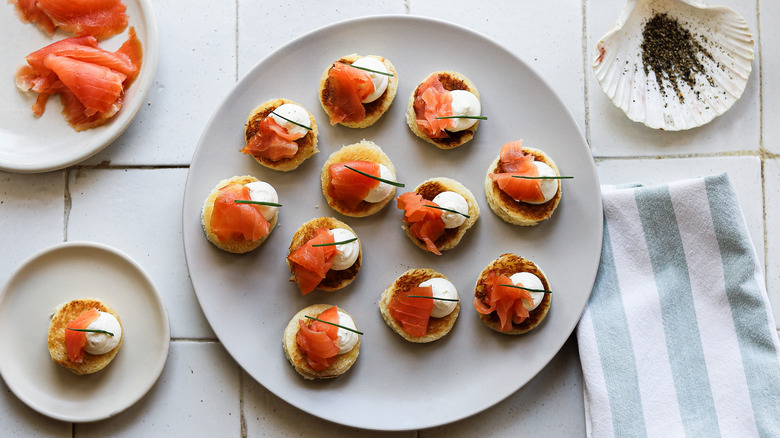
(678, 338)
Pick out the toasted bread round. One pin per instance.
(334, 280)
(237, 246)
(307, 145)
(375, 109)
(428, 189)
(297, 357)
(365, 151)
(437, 327)
(517, 212)
(66, 313)
(509, 264)
(451, 80)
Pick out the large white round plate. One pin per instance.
(70, 271)
(396, 385)
(29, 144)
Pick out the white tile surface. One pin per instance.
(18, 420)
(196, 396)
(138, 211)
(770, 65)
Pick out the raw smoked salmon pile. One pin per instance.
(271, 141)
(413, 313)
(310, 264)
(433, 101)
(349, 86)
(425, 223)
(318, 339)
(506, 301)
(90, 81)
(513, 161)
(231, 220)
(349, 186)
(98, 18)
(76, 340)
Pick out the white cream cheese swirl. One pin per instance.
(383, 190)
(101, 343)
(261, 191)
(531, 281)
(441, 288)
(347, 253)
(346, 340)
(549, 187)
(297, 114)
(453, 201)
(380, 81)
(464, 103)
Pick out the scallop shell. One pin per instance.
(620, 70)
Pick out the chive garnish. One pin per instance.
(92, 331)
(433, 298)
(447, 209)
(462, 117)
(246, 201)
(527, 288)
(335, 243)
(291, 121)
(386, 181)
(541, 177)
(333, 323)
(368, 69)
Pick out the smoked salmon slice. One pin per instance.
(236, 220)
(75, 340)
(506, 301)
(99, 18)
(349, 186)
(513, 161)
(413, 313)
(271, 141)
(310, 264)
(348, 87)
(318, 339)
(425, 223)
(432, 101)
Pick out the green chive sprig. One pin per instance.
(386, 181)
(92, 331)
(433, 298)
(541, 177)
(462, 117)
(336, 243)
(368, 69)
(291, 121)
(447, 209)
(246, 201)
(333, 323)
(527, 288)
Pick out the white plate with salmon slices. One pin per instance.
(30, 144)
(394, 384)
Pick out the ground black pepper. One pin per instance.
(672, 52)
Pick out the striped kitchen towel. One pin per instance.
(678, 338)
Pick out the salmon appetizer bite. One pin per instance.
(438, 213)
(444, 109)
(325, 254)
(523, 185)
(512, 295)
(321, 342)
(240, 213)
(356, 90)
(84, 335)
(421, 305)
(358, 180)
(280, 134)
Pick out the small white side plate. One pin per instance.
(62, 273)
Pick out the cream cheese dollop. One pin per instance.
(347, 252)
(383, 190)
(453, 201)
(531, 281)
(441, 288)
(380, 81)
(261, 191)
(464, 103)
(345, 339)
(293, 112)
(101, 343)
(549, 187)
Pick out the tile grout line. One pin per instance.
(67, 204)
(761, 148)
(585, 100)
